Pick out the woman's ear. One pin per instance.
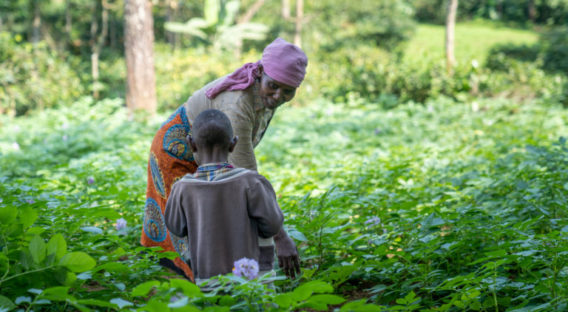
(259, 71)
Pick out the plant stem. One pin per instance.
(494, 292)
(24, 273)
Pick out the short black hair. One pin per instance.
(212, 127)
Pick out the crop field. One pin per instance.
(432, 207)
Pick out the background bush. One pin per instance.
(35, 77)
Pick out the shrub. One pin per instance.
(555, 47)
(34, 77)
(501, 56)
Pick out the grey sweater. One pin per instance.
(223, 219)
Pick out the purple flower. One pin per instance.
(1, 200)
(64, 138)
(373, 221)
(91, 180)
(246, 267)
(30, 201)
(120, 224)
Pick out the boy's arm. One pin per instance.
(263, 208)
(175, 217)
(262, 200)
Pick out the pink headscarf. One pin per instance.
(281, 60)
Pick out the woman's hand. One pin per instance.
(288, 259)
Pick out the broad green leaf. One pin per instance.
(154, 305)
(211, 11)
(183, 302)
(57, 246)
(6, 303)
(58, 293)
(304, 291)
(69, 278)
(320, 302)
(98, 303)
(92, 229)
(189, 289)
(121, 303)
(297, 235)
(37, 249)
(7, 215)
(77, 261)
(23, 299)
(284, 300)
(35, 291)
(360, 306)
(144, 288)
(28, 216)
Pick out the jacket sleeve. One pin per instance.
(263, 207)
(175, 219)
(242, 121)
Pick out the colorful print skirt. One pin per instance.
(170, 159)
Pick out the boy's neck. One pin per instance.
(212, 155)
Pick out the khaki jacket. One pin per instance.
(249, 118)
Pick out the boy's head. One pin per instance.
(212, 130)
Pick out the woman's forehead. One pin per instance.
(280, 84)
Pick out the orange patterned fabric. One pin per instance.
(170, 159)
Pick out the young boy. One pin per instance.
(221, 209)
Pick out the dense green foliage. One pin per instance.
(406, 188)
(521, 12)
(423, 206)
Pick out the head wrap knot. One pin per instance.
(281, 60)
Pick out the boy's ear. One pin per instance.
(233, 143)
(191, 143)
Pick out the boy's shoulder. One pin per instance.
(235, 174)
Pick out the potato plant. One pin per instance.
(446, 206)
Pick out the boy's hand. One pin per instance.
(288, 259)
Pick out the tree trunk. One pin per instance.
(532, 11)
(36, 23)
(138, 46)
(98, 41)
(286, 9)
(68, 21)
(450, 31)
(171, 12)
(299, 22)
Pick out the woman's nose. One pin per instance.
(277, 94)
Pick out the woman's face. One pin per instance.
(274, 93)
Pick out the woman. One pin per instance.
(249, 96)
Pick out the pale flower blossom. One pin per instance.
(373, 221)
(246, 267)
(16, 146)
(120, 224)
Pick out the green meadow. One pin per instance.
(473, 41)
